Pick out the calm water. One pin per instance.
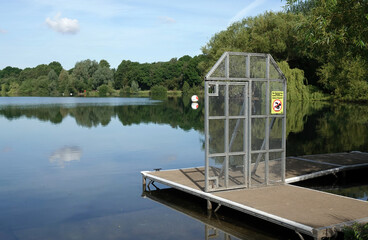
(70, 167)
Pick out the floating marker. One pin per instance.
(195, 105)
(194, 98)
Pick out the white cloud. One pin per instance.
(2, 31)
(166, 20)
(246, 11)
(63, 25)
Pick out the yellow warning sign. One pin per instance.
(277, 102)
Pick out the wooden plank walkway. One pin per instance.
(307, 211)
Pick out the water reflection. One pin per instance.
(174, 112)
(225, 225)
(65, 154)
(312, 127)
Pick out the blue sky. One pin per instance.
(34, 32)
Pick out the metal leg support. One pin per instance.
(218, 207)
(209, 205)
(300, 236)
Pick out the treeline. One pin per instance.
(324, 42)
(321, 46)
(89, 77)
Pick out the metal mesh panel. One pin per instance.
(216, 136)
(220, 71)
(216, 177)
(274, 72)
(258, 67)
(237, 171)
(237, 66)
(275, 137)
(259, 98)
(217, 100)
(258, 133)
(258, 166)
(275, 167)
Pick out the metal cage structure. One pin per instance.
(245, 122)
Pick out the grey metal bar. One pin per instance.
(227, 70)
(223, 117)
(227, 135)
(249, 128)
(270, 150)
(268, 110)
(206, 131)
(245, 140)
(264, 116)
(283, 161)
(241, 79)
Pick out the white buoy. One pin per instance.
(194, 98)
(195, 105)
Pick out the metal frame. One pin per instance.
(226, 79)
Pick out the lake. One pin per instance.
(70, 167)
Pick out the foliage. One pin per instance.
(56, 66)
(158, 91)
(326, 39)
(9, 72)
(186, 88)
(171, 74)
(134, 88)
(335, 34)
(356, 232)
(103, 75)
(297, 90)
(103, 90)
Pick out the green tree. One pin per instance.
(186, 88)
(10, 72)
(56, 66)
(52, 76)
(335, 33)
(82, 72)
(104, 63)
(134, 87)
(63, 81)
(103, 75)
(158, 92)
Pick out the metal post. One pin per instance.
(206, 130)
(249, 135)
(283, 155)
(227, 135)
(144, 183)
(209, 205)
(245, 139)
(268, 111)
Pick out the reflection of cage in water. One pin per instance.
(245, 96)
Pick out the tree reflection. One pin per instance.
(312, 127)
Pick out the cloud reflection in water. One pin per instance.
(65, 154)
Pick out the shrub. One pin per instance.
(356, 232)
(158, 91)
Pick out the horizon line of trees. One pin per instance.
(90, 75)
